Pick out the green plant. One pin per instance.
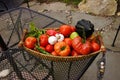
(73, 2)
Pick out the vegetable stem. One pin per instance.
(41, 50)
(84, 34)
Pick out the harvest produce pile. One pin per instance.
(66, 40)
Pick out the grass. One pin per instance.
(72, 2)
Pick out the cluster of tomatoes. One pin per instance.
(63, 42)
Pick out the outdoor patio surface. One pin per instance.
(109, 25)
(68, 14)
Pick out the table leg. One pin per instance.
(14, 66)
(115, 36)
(9, 57)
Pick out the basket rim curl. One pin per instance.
(59, 58)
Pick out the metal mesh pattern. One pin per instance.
(11, 27)
(48, 70)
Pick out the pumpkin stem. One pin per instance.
(84, 35)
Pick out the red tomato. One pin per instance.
(81, 48)
(68, 41)
(62, 49)
(54, 53)
(65, 30)
(51, 32)
(43, 40)
(86, 48)
(30, 42)
(74, 53)
(73, 28)
(49, 48)
(95, 46)
(76, 43)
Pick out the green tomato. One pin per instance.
(73, 35)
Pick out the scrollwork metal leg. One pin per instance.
(113, 44)
(9, 57)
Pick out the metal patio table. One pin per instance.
(48, 70)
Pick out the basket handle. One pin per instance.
(103, 49)
(20, 44)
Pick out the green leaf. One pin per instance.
(32, 26)
(34, 31)
(41, 50)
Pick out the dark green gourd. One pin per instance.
(84, 28)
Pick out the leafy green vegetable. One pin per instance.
(34, 31)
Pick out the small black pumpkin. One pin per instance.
(84, 28)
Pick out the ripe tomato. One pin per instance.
(43, 40)
(74, 53)
(76, 44)
(30, 42)
(62, 49)
(86, 48)
(73, 28)
(95, 46)
(54, 53)
(49, 48)
(81, 48)
(65, 30)
(51, 32)
(68, 41)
